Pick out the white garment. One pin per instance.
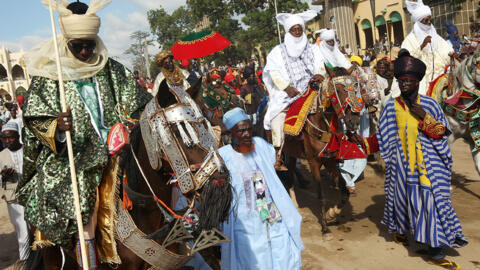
(16, 213)
(382, 84)
(161, 77)
(422, 31)
(295, 46)
(277, 129)
(276, 79)
(435, 61)
(333, 56)
(14, 159)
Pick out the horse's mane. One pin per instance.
(128, 162)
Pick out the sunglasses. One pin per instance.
(427, 20)
(407, 81)
(78, 46)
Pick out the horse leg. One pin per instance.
(315, 166)
(291, 165)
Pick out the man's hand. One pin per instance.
(8, 172)
(292, 91)
(428, 39)
(453, 55)
(417, 110)
(64, 120)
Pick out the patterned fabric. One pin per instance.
(412, 206)
(298, 112)
(300, 69)
(45, 188)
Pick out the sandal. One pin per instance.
(445, 264)
(400, 239)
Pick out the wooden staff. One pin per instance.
(76, 200)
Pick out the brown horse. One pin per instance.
(148, 216)
(317, 134)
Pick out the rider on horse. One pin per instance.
(100, 92)
(174, 75)
(425, 44)
(289, 69)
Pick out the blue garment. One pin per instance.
(454, 39)
(424, 211)
(256, 245)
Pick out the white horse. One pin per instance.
(463, 113)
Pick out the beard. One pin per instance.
(242, 148)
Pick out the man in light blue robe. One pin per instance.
(264, 224)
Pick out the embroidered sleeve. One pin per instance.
(44, 130)
(370, 144)
(278, 80)
(431, 127)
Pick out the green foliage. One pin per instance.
(258, 17)
(170, 28)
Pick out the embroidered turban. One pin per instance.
(162, 55)
(233, 117)
(408, 66)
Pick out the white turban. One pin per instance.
(41, 60)
(288, 20)
(295, 45)
(78, 26)
(10, 126)
(418, 10)
(327, 34)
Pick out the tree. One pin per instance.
(137, 50)
(169, 28)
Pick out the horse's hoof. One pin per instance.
(328, 236)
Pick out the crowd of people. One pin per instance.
(407, 128)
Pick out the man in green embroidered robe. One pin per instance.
(98, 91)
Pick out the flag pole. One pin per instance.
(76, 200)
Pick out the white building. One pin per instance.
(14, 79)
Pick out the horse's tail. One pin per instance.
(35, 259)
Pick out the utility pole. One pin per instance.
(147, 58)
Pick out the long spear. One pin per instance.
(76, 200)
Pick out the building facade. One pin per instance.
(14, 79)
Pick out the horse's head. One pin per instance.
(346, 97)
(473, 65)
(217, 94)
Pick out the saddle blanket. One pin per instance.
(298, 112)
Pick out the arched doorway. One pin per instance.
(397, 27)
(381, 26)
(3, 74)
(20, 91)
(17, 73)
(5, 95)
(367, 30)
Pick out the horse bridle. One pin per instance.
(354, 99)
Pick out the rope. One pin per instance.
(151, 190)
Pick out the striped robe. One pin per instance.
(424, 211)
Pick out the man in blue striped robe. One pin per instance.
(412, 140)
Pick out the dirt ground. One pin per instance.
(359, 240)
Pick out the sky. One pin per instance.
(26, 23)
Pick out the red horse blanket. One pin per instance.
(298, 112)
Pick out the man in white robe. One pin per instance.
(264, 224)
(11, 166)
(331, 54)
(289, 69)
(425, 44)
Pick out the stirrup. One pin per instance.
(92, 257)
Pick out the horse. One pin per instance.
(338, 101)
(461, 106)
(151, 196)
